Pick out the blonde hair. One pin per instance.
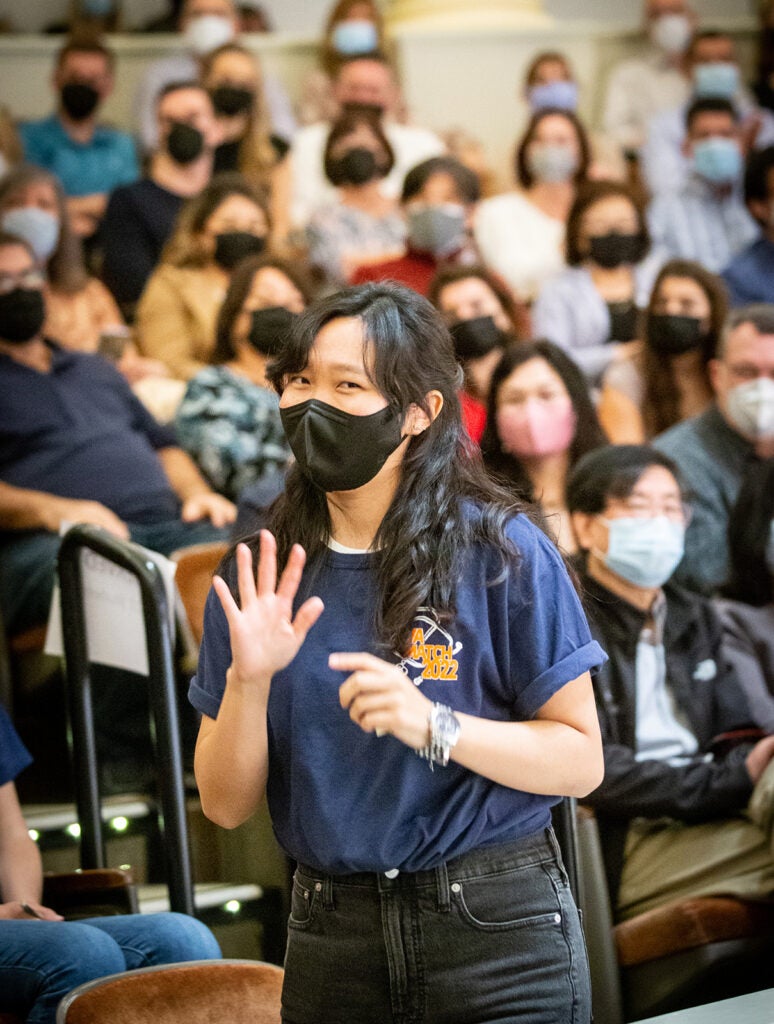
(257, 156)
(185, 248)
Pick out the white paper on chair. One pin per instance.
(115, 626)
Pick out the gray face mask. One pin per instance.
(552, 162)
(751, 408)
(438, 230)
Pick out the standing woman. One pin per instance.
(412, 695)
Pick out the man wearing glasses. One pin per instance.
(680, 814)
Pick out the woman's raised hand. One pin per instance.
(264, 635)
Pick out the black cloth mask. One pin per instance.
(269, 329)
(184, 143)
(476, 337)
(356, 167)
(79, 100)
(233, 246)
(612, 250)
(230, 100)
(22, 312)
(673, 335)
(336, 450)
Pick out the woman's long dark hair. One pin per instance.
(749, 527)
(427, 529)
(588, 433)
(661, 401)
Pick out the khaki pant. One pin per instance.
(667, 860)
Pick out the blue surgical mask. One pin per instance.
(718, 79)
(98, 8)
(560, 95)
(39, 229)
(718, 160)
(356, 36)
(644, 551)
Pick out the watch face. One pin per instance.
(447, 726)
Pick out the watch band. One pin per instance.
(444, 731)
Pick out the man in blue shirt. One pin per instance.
(89, 158)
(750, 275)
(706, 219)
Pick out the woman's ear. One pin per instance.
(583, 528)
(417, 420)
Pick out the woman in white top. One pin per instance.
(521, 234)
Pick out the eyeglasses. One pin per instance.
(641, 508)
(27, 279)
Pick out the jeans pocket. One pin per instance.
(521, 898)
(302, 903)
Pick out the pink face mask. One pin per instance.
(536, 428)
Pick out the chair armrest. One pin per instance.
(96, 892)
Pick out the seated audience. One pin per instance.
(176, 314)
(713, 67)
(352, 28)
(229, 420)
(679, 817)
(438, 199)
(715, 449)
(204, 25)
(484, 318)
(664, 379)
(750, 274)
(364, 81)
(89, 158)
(234, 79)
(140, 217)
(591, 308)
(363, 225)
(43, 957)
(705, 219)
(76, 446)
(746, 608)
(639, 87)
(79, 309)
(540, 421)
(521, 234)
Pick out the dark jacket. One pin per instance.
(706, 691)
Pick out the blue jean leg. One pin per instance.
(491, 936)
(41, 961)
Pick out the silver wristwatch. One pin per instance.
(444, 729)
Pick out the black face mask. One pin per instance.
(356, 167)
(22, 312)
(475, 338)
(79, 100)
(673, 335)
(612, 250)
(336, 450)
(372, 110)
(233, 246)
(270, 328)
(230, 100)
(184, 143)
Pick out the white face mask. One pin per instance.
(751, 408)
(671, 33)
(207, 32)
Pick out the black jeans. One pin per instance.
(491, 936)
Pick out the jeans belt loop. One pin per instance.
(327, 892)
(443, 893)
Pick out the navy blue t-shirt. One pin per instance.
(343, 800)
(80, 432)
(14, 756)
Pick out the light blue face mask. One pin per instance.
(98, 8)
(644, 551)
(355, 36)
(718, 160)
(38, 228)
(718, 79)
(561, 95)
